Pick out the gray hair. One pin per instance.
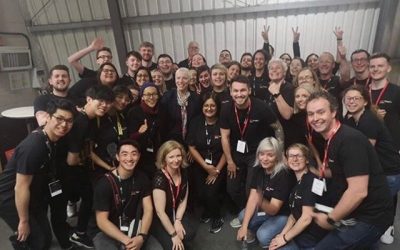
(278, 61)
(270, 143)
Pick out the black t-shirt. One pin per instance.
(278, 186)
(223, 98)
(170, 84)
(350, 154)
(33, 156)
(363, 83)
(184, 63)
(259, 85)
(198, 136)
(152, 66)
(81, 135)
(126, 80)
(41, 102)
(160, 181)
(134, 189)
(171, 115)
(88, 73)
(332, 85)
(302, 195)
(296, 129)
(260, 119)
(78, 91)
(390, 102)
(373, 128)
(109, 130)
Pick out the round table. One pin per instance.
(20, 113)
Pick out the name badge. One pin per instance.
(55, 188)
(149, 149)
(318, 186)
(208, 161)
(241, 146)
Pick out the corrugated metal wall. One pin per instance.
(237, 32)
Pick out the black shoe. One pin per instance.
(216, 225)
(81, 240)
(204, 218)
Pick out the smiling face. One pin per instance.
(300, 98)
(246, 62)
(182, 80)
(312, 62)
(121, 102)
(210, 108)
(97, 107)
(103, 57)
(295, 66)
(267, 159)
(306, 77)
(165, 65)
(218, 77)
(60, 80)
(379, 68)
(354, 101)
(359, 62)
(296, 159)
(286, 58)
(108, 75)
(133, 63)
(150, 96)
(233, 71)
(192, 77)
(204, 79)
(158, 77)
(128, 157)
(142, 76)
(326, 64)
(240, 93)
(146, 53)
(59, 123)
(320, 116)
(276, 72)
(225, 57)
(197, 61)
(259, 61)
(173, 160)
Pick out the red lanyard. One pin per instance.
(245, 123)
(325, 162)
(378, 100)
(171, 184)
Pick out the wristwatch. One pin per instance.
(276, 95)
(144, 236)
(332, 222)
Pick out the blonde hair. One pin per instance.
(307, 87)
(162, 88)
(304, 150)
(165, 149)
(220, 67)
(317, 84)
(270, 143)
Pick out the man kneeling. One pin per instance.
(122, 203)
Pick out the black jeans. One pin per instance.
(238, 188)
(210, 195)
(40, 235)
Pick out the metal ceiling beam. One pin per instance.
(118, 30)
(201, 14)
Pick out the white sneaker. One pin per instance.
(387, 237)
(71, 209)
(235, 223)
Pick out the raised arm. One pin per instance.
(296, 38)
(265, 37)
(344, 66)
(74, 59)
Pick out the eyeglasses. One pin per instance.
(295, 156)
(152, 95)
(142, 75)
(104, 57)
(107, 71)
(353, 98)
(61, 120)
(306, 78)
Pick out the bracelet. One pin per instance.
(339, 39)
(174, 234)
(144, 236)
(284, 238)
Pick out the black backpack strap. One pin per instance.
(116, 194)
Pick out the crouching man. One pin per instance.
(122, 203)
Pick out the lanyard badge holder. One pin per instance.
(241, 146)
(55, 186)
(208, 158)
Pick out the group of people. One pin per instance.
(302, 155)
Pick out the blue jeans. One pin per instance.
(394, 184)
(349, 237)
(265, 226)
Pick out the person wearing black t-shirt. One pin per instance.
(359, 116)
(103, 55)
(107, 75)
(259, 77)
(133, 61)
(58, 85)
(219, 84)
(166, 66)
(360, 64)
(146, 50)
(204, 140)
(109, 130)
(172, 225)
(30, 181)
(267, 207)
(122, 202)
(300, 232)
(385, 95)
(244, 123)
(98, 102)
(363, 208)
(192, 49)
(144, 126)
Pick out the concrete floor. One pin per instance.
(224, 240)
